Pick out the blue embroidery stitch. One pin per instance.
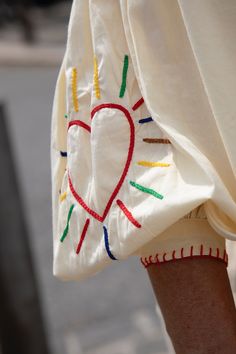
(107, 243)
(145, 120)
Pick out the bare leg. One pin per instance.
(197, 305)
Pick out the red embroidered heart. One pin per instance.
(126, 166)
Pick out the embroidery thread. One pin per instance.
(74, 89)
(153, 164)
(95, 79)
(145, 120)
(106, 240)
(63, 153)
(125, 170)
(63, 196)
(127, 213)
(146, 190)
(79, 123)
(124, 76)
(174, 256)
(65, 232)
(82, 237)
(138, 104)
(156, 141)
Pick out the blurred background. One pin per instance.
(114, 312)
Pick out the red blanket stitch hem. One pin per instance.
(204, 252)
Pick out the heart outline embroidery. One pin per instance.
(80, 123)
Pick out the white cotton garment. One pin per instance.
(143, 127)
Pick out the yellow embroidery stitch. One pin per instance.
(74, 89)
(95, 79)
(63, 196)
(153, 164)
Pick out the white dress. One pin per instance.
(143, 127)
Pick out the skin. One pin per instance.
(197, 304)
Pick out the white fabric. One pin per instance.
(182, 61)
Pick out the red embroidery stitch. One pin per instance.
(182, 252)
(210, 251)
(151, 260)
(79, 123)
(82, 236)
(128, 213)
(201, 250)
(138, 104)
(126, 168)
(191, 252)
(144, 264)
(217, 252)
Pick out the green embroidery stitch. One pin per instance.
(146, 190)
(67, 224)
(124, 76)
